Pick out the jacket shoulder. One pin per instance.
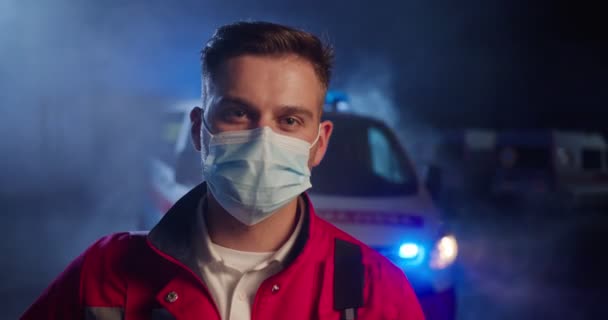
(106, 267)
(92, 279)
(108, 252)
(370, 256)
(386, 285)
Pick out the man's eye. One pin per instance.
(237, 113)
(234, 114)
(290, 121)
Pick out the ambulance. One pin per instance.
(366, 185)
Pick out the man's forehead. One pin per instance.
(267, 80)
(271, 67)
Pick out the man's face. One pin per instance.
(280, 92)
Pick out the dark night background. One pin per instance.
(82, 84)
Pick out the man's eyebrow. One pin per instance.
(286, 109)
(235, 100)
(297, 110)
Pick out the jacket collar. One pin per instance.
(175, 233)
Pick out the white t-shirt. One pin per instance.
(233, 277)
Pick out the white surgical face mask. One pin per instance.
(253, 173)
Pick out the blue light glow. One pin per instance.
(409, 250)
(334, 96)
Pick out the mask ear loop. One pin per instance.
(205, 130)
(317, 138)
(205, 127)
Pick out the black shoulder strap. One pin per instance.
(348, 279)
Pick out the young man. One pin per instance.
(245, 244)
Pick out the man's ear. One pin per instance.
(196, 116)
(326, 129)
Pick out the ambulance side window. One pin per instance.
(384, 161)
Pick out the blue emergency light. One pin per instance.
(409, 250)
(336, 101)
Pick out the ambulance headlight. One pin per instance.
(444, 253)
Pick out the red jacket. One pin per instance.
(151, 276)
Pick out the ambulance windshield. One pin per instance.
(364, 159)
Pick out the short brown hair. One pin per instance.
(265, 38)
